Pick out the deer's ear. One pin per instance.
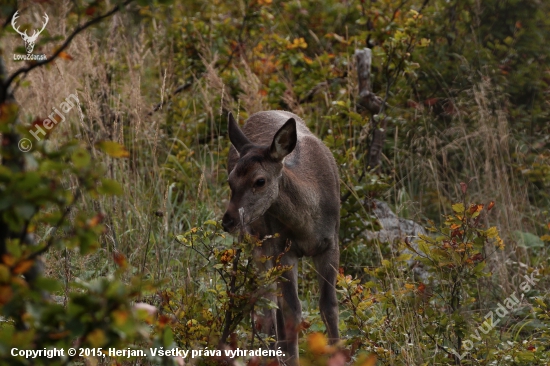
(284, 141)
(236, 136)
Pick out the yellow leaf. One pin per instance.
(94, 221)
(458, 208)
(500, 243)
(113, 149)
(369, 361)
(424, 42)
(65, 56)
(23, 267)
(317, 343)
(119, 317)
(227, 256)
(297, 43)
(492, 232)
(96, 338)
(8, 259)
(475, 209)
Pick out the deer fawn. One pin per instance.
(284, 180)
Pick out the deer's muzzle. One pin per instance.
(228, 222)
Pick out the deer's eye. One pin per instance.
(260, 182)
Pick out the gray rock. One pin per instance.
(394, 231)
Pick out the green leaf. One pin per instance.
(424, 247)
(4, 273)
(540, 301)
(25, 210)
(81, 158)
(48, 284)
(479, 267)
(168, 337)
(425, 238)
(524, 356)
(528, 240)
(14, 248)
(404, 257)
(110, 187)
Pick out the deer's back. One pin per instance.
(309, 156)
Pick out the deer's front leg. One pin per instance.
(266, 323)
(327, 265)
(289, 314)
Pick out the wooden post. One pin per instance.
(369, 102)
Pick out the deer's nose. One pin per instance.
(227, 222)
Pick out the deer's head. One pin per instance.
(254, 181)
(29, 40)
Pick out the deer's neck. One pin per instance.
(294, 204)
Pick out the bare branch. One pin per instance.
(7, 22)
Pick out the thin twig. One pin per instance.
(229, 311)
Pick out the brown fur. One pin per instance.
(300, 200)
